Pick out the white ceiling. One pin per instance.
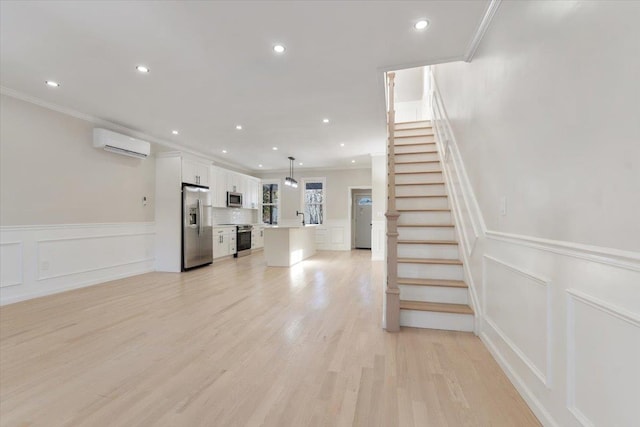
(212, 67)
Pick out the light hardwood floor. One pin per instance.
(240, 344)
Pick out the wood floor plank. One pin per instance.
(242, 344)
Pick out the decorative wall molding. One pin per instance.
(60, 257)
(614, 257)
(573, 296)
(533, 402)
(481, 30)
(113, 126)
(8, 266)
(546, 376)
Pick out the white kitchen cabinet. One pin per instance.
(251, 197)
(195, 172)
(257, 237)
(224, 241)
(219, 187)
(228, 181)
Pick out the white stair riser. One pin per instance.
(419, 178)
(400, 126)
(435, 320)
(428, 251)
(423, 203)
(430, 271)
(420, 190)
(425, 218)
(412, 132)
(418, 157)
(443, 294)
(414, 139)
(414, 148)
(426, 233)
(418, 167)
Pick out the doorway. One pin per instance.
(362, 204)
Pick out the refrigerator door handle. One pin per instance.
(199, 216)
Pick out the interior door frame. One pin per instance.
(350, 217)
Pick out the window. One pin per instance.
(314, 199)
(270, 202)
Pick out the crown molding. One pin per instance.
(487, 18)
(115, 127)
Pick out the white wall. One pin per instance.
(335, 233)
(546, 114)
(379, 208)
(548, 111)
(70, 215)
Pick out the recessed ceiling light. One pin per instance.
(259, 166)
(300, 163)
(239, 127)
(275, 148)
(142, 69)
(52, 83)
(224, 151)
(175, 132)
(279, 48)
(325, 120)
(342, 145)
(421, 25)
(353, 161)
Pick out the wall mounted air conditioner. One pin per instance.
(120, 144)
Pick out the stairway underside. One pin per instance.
(433, 293)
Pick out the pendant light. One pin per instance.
(289, 181)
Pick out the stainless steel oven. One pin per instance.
(243, 240)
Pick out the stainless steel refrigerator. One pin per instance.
(197, 227)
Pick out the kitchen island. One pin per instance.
(285, 246)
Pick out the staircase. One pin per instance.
(430, 276)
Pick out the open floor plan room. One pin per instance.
(239, 343)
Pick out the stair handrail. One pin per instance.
(392, 292)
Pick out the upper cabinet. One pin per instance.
(228, 181)
(195, 172)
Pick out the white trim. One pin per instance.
(21, 252)
(544, 377)
(42, 293)
(530, 398)
(38, 227)
(277, 204)
(614, 257)
(323, 180)
(487, 18)
(619, 313)
(114, 126)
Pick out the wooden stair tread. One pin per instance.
(412, 136)
(432, 282)
(416, 173)
(428, 242)
(424, 210)
(426, 225)
(443, 261)
(417, 152)
(439, 307)
(413, 144)
(417, 162)
(430, 196)
(414, 121)
(423, 183)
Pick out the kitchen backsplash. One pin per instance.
(234, 216)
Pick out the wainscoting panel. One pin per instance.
(512, 293)
(603, 343)
(10, 264)
(54, 258)
(333, 235)
(378, 240)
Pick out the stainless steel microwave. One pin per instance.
(234, 200)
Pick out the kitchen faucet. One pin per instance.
(301, 213)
